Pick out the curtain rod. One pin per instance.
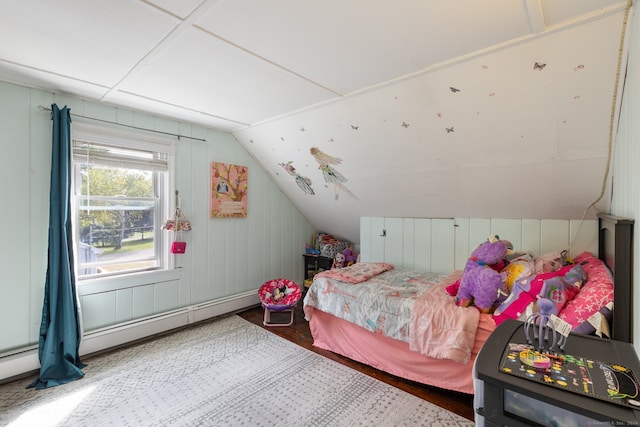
(43, 108)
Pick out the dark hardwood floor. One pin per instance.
(299, 333)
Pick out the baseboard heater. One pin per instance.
(25, 361)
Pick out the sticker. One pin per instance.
(331, 175)
(303, 182)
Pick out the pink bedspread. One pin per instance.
(439, 328)
(404, 305)
(356, 273)
(393, 356)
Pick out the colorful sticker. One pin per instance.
(331, 176)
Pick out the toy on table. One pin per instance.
(535, 359)
(308, 249)
(541, 327)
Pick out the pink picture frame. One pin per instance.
(228, 190)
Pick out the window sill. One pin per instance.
(126, 281)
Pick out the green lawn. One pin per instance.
(133, 244)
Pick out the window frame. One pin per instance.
(117, 138)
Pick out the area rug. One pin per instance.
(226, 372)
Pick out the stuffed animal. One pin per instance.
(480, 284)
(349, 257)
(338, 261)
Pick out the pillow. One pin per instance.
(589, 328)
(552, 261)
(558, 286)
(518, 268)
(596, 293)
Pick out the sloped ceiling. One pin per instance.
(495, 108)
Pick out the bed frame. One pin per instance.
(615, 249)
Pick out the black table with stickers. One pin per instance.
(592, 381)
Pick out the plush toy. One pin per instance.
(349, 257)
(481, 285)
(338, 261)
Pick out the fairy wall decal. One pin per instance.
(331, 176)
(303, 182)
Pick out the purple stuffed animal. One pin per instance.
(481, 285)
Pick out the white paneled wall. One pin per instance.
(444, 245)
(226, 259)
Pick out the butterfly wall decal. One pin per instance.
(354, 127)
(539, 66)
(405, 124)
(449, 130)
(453, 89)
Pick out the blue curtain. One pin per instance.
(60, 328)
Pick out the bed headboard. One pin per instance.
(615, 249)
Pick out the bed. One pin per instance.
(413, 329)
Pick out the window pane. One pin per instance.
(115, 181)
(116, 224)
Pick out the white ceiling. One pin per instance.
(343, 76)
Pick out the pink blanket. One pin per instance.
(356, 273)
(439, 328)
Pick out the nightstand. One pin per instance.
(314, 264)
(505, 399)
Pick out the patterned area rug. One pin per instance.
(228, 372)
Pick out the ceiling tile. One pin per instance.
(346, 46)
(203, 73)
(93, 41)
(45, 80)
(180, 113)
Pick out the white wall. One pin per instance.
(225, 257)
(442, 245)
(626, 174)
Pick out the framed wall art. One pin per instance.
(228, 190)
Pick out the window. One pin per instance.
(120, 198)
